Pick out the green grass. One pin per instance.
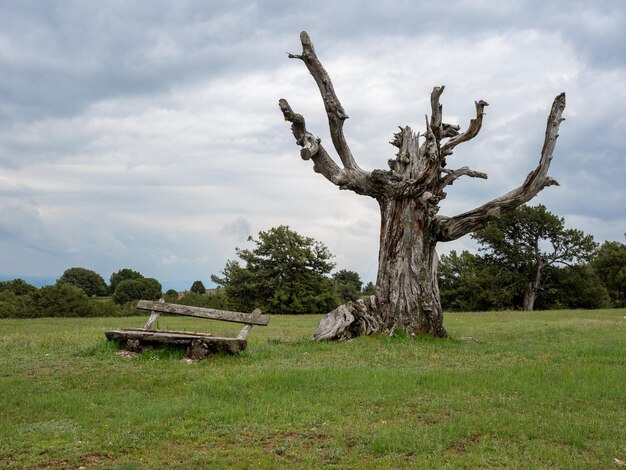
(540, 390)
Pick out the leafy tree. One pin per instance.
(61, 300)
(198, 287)
(348, 284)
(528, 240)
(609, 262)
(152, 288)
(243, 287)
(136, 289)
(128, 290)
(171, 296)
(369, 289)
(86, 279)
(123, 275)
(284, 273)
(469, 282)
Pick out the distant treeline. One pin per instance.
(81, 292)
(528, 260)
(19, 299)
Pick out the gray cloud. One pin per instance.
(149, 136)
(240, 229)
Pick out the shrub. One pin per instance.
(17, 286)
(216, 300)
(14, 306)
(61, 300)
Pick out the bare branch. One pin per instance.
(311, 146)
(450, 130)
(359, 181)
(334, 110)
(430, 145)
(470, 133)
(453, 175)
(451, 228)
(436, 109)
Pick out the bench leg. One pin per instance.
(134, 345)
(198, 350)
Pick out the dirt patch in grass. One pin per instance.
(91, 458)
(461, 446)
(85, 461)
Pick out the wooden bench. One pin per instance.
(199, 345)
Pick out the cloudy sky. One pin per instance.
(147, 134)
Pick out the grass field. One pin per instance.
(540, 390)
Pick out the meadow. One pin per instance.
(539, 390)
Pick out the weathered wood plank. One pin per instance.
(195, 333)
(232, 345)
(254, 318)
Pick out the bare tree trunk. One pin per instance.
(407, 295)
(533, 288)
(529, 300)
(407, 290)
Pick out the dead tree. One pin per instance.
(407, 295)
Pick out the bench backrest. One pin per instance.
(156, 308)
(254, 318)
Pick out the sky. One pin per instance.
(147, 134)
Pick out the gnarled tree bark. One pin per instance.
(407, 295)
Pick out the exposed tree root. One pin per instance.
(360, 317)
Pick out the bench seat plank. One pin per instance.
(194, 333)
(232, 345)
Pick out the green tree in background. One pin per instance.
(369, 289)
(576, 286)
(198, 288)
(89, 281)
(348, 284)
(137, 289)
(285, 273)
(123, 275)
(171, 296)
(528, 240)
(609, 262)
(469, 282)
(128, 290)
